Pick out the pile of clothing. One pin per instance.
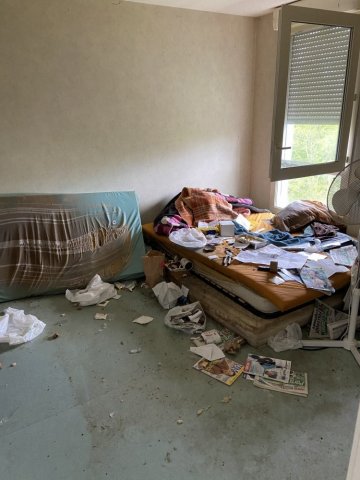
(192, 205)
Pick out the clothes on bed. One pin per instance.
(196, 204)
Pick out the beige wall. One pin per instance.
(99, 95)
(265, 67)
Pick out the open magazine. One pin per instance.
(297, 385)
(224, 369)
(267, 367)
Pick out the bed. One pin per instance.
(261, 307)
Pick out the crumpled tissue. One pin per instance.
(16, 327)
(96, 291)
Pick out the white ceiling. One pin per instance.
(248, 8)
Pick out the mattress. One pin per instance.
(51, 242)
(252, 285)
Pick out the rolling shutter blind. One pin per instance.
(317, 75)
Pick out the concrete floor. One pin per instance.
(56, 403)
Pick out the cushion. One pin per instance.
(300, 213)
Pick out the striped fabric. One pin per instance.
(195, 204)
(49, 243)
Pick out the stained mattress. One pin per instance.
(49, 243)
(252, 285)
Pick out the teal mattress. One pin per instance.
(49, 243)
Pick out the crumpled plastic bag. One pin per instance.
(188, 237)
(288, 339)
(16, 327)
(187, 318)
(168, 293)
(96, 291)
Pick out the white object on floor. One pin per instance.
(168, 293)
(96, 291)
(100, 316)
(354, 463)
(143, 320)
(209, 352)
(288, 339)
(16, 327)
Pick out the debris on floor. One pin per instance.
(116, 297)
(13, 364)
(100, 316)
(226, 399)
(267, 367)
(143, 320)
(179, 421)
(128, 285)
(187, 318)
(297, 385)
(62, 314)
(17, 327)
(233, 346)
(209, 352)
(104, 304)
(111, 414)
(211, 336)
(168, 294)
(154, 267)
(224, 370)
(95, 292)
(135, 350)
(54, 336)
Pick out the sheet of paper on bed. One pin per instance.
(328, 266)
(265, 255)
(344, 255)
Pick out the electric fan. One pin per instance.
(343, 201)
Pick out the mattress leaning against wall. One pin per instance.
(51, 242)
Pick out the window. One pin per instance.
(318, 51)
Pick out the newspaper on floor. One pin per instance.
(267, 367)
(209, 352)
(327, 321)
(224, 369)
(297, 385)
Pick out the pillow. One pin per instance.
(300, 213)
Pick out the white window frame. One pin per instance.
(288, 15)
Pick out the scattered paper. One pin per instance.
(104, 304)
(276, 280)
(267, 367)
(212, 257)
(128, 285)
(224, 370)
(209, 352)
(168, 293)
(143, 320)
(211, 336)
(100, 316)
(344, 255)
(270, 253)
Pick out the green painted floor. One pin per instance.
(82, 407)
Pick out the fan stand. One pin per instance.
(349, 342)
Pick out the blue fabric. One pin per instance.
(283, 239)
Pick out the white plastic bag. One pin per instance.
(187, 318)
(188, 237)
(169, 293)
(16, 327)
(96, 291)
(288, 339)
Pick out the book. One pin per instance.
(297, 385)
(267, 367)
(224, 369)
